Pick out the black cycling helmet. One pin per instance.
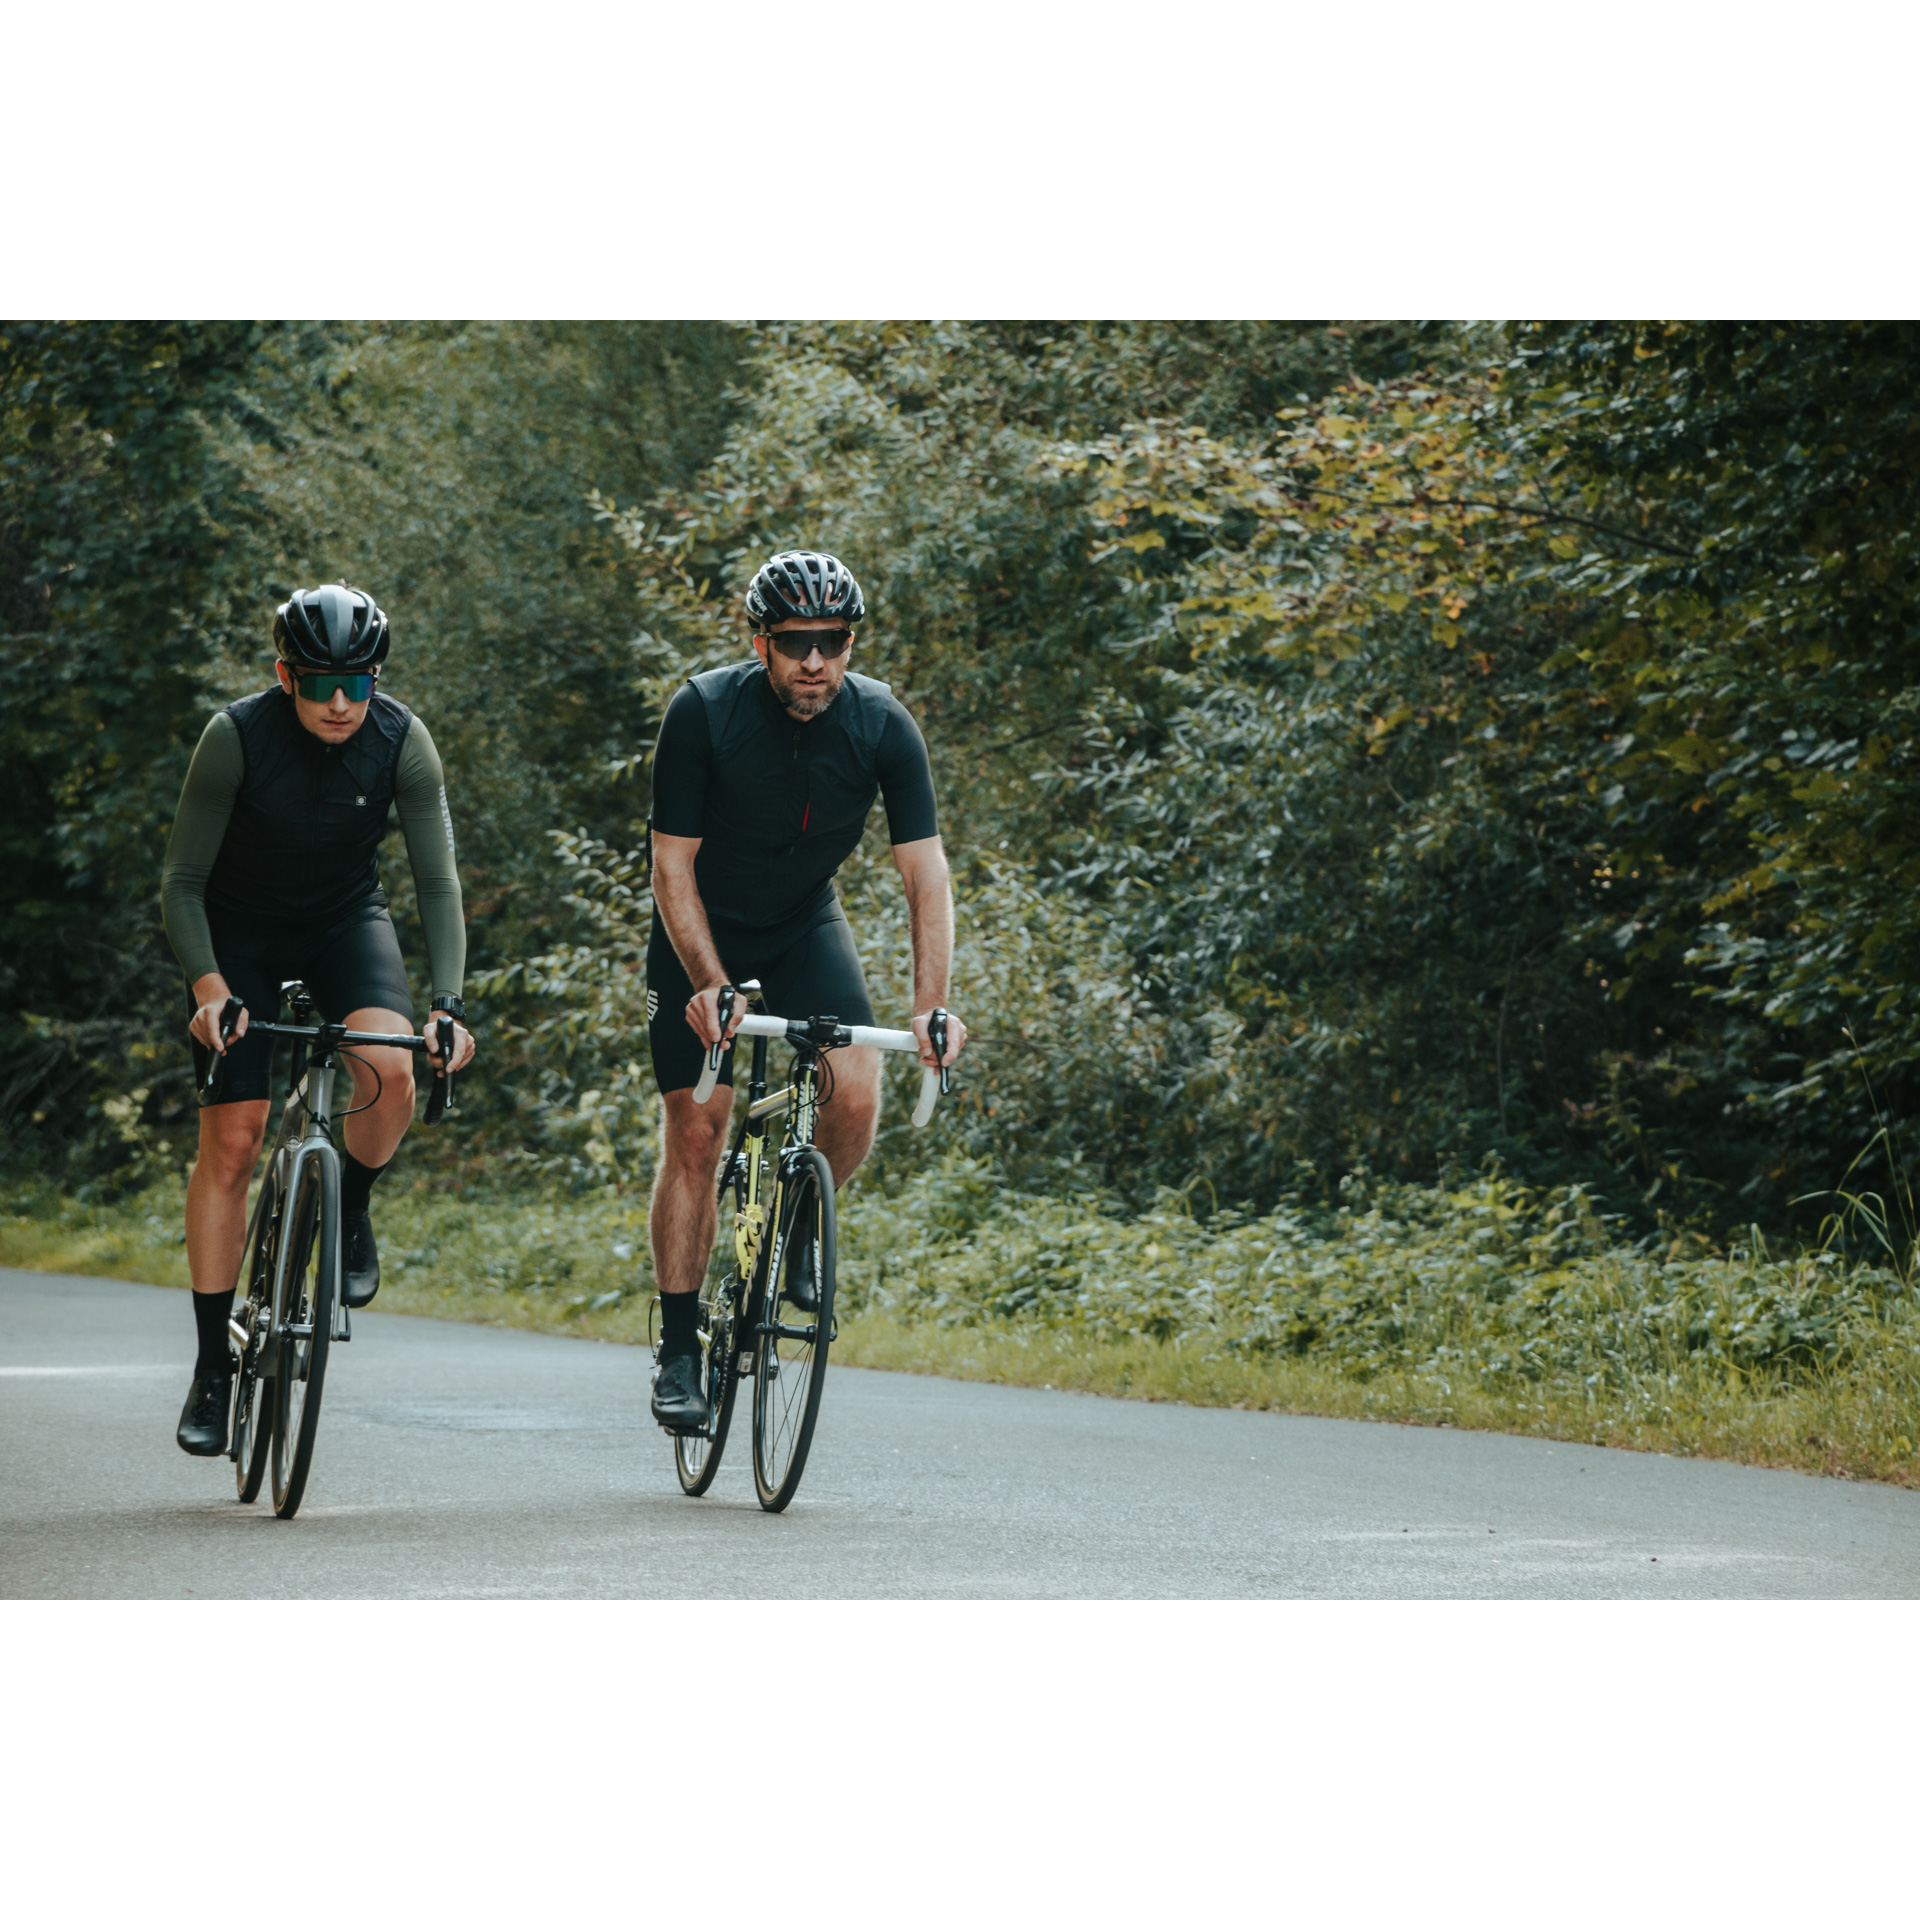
(798, 585)
(331, 629)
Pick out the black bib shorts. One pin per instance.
(348, 963)
(814, 971)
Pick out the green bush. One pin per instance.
(1494, 1277)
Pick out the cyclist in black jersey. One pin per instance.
(763, 778)
(272, 873)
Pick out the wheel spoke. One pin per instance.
(313, 1224)
(794, 1353)
(696, 1458)
(253, 1396)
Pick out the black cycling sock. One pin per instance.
(210, 1312)
(679, 1325)
(356, 1184)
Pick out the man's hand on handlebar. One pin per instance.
(213, 993)
(956, 1038)
(462, 1041)
(703, 1014)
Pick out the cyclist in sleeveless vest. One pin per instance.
(273, 873)
(763, 777)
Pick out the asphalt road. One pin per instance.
(459, 1461)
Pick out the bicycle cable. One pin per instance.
(379, 1085)
(823, 1080)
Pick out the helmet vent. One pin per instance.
(331, 627)
(801, 585)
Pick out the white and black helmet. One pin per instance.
(331, 629)
(798, 585)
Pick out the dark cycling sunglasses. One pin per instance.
(796, 646)
(321, 687)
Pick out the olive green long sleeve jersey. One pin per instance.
(214, 814)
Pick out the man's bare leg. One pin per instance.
(230, 1137)
(379, 1113)
(382, 1089)
(680, 1224)
(851, 1118)
(681, 1220)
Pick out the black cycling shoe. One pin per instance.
(679, 1400)
(203, 1420)
(361, 1261)
(803, 1285)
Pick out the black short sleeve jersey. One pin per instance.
(778, 803)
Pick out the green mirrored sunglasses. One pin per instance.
(321, 687)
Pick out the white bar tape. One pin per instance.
(889, 1039)
(763, 1025)
(709, 1077)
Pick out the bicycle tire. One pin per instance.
(790, 1354)
(313, 1275)
(253, 1395)
(696, 1457)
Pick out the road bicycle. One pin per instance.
(292, 1310)
(780, 1212)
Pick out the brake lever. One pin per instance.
(440, 1100)
(725, 1011)
(937, 1040)
(229, 1019)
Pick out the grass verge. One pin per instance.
(1496, 1310)
(1848, 1428)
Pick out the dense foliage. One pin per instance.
(1491, 1277)
(164, 487)
(1360, 747)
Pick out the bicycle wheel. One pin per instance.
(313, 1278)
(696, 1456)
(790, 1362)
(253, 1396)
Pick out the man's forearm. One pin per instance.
(685, 918)
(930, 926)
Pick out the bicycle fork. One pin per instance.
(268, 1337)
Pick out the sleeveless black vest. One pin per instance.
(303, 843)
